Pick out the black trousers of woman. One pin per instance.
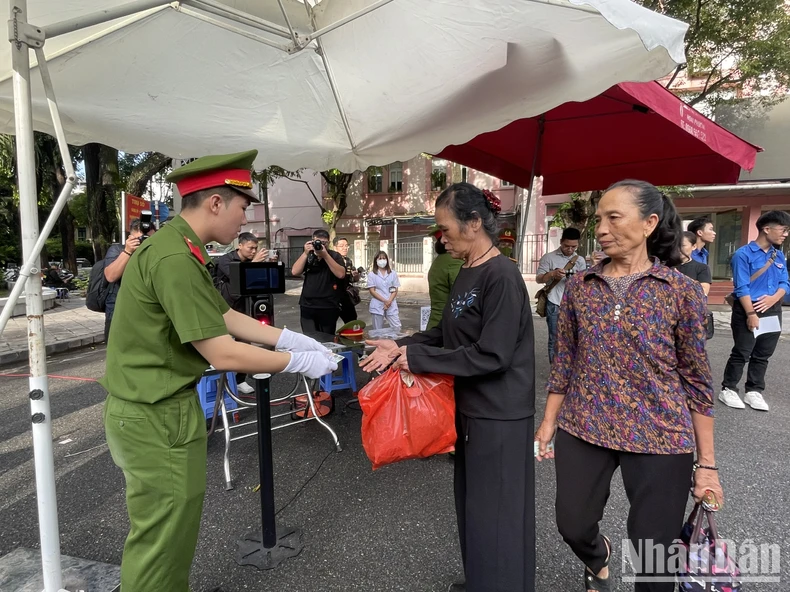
(495, 503)
(657, 487)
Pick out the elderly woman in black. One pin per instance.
(485, 340)
(630, 387)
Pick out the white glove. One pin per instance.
(312, 364)
(291, 341)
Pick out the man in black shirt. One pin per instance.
(246, 251)
(324, 277)
(348, 311)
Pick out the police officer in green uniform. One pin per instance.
(169, 325)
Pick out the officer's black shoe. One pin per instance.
(457, 587)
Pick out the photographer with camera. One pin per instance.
(554, 269)
(324, 283)
(115, 264)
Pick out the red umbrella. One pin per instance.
(633, 130)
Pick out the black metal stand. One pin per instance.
(268, 547)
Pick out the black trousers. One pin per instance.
(348, 312)
(747, 348)
(657, 486)
(495, 503)
(321, 320)
(107, 323)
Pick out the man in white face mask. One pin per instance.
(383, 284)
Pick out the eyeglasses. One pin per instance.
(781, 229)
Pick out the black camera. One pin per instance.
(569, 273)
(146, 224)
(249, 278)
(318, 245)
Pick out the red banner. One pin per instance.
(134, 206)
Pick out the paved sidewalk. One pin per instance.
(70, 325)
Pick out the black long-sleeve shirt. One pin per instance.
(485, 340)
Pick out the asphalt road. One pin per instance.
(392, 529)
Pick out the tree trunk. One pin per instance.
(339, 204)
(66, 226)
(143, 172)
(65, 223)
(101, 173)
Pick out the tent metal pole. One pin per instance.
(331, 79)
(124, 221)
(41, 418)
(228, 27)
(531, 188)
(348, 19)
(101, 16)
(31, 263)
(239, 16)
(294, 36)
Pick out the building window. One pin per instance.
(504, 183)
(82, 234)
(375, 179)
(438, 175)
(396, 177)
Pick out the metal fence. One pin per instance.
(535, 246)
(408, 257)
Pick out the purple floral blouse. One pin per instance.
(633, 368)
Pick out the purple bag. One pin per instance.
(709, 567)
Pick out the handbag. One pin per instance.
(730, 298)
(542, 297)
(709, 328)
(353, 294)
(708, 566)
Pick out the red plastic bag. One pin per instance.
(407, 416)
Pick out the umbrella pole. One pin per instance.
(530, 189)
(41, 418)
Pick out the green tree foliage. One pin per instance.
(733, 46)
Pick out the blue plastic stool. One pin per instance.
(346, 380)
(207, 392)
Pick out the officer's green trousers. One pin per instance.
(161, 449)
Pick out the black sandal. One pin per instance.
(592, 581)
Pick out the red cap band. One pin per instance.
(240, 178)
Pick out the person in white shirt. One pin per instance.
(551, 271)
(383, 285)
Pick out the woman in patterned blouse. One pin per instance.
(630, 387)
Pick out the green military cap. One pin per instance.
(352, 330)
(220, 170)
(434, 231)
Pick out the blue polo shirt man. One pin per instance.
(758, 302)
(703, 230)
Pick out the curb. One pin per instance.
(57, 347)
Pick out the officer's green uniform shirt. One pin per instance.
(441, 277)
(168, 300)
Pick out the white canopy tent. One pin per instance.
(341, 84)
(410, 76)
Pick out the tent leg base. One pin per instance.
(250, 549)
